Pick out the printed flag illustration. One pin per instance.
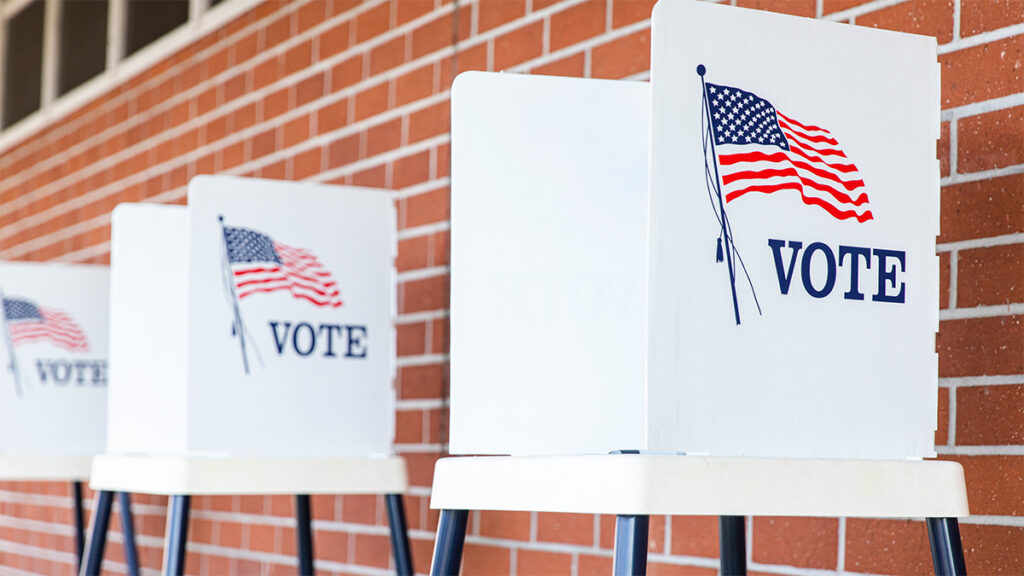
(25, 321)
(760, 149)
(255, 263)
(749, 146)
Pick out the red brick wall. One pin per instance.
(357, 93)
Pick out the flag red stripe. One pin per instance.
(804, 126)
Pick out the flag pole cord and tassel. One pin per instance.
(237, 328)
(13, 365)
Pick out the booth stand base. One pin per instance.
(180, 478)
(633, 487)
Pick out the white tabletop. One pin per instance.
(631, 484)
(204, 475)
(16, 467)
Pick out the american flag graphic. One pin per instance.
(762, 150)
(261, 264)
(29, 322)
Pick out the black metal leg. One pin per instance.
(631, 545)
(131, 555)
(732, 549)
(76, 490)
(399, 534)
(177, 535)
(98, 537)
(451, 534)
(304, 534)
(947, 549)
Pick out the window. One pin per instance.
(83, 42)
(23, 62)
(48, 48)
(151, 19)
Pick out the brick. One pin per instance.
(295, 131)
(539, 563)
(275, 104)
(928, 17)
(306, 164)
(944, 280)
(263, 144)
(664, 569)
(993, 483)
(804, 542)
(411, 339)
(372, 101)
(992, 140)
(429, 122)
(833, 6)
(333, 41)
(990, 415)
(359, 509)
(630, 11)
(426, 294)
(983, 72)
(421, 468)
(977, 16)
(565, 528)
(309, 89)
(942, 421)
(372, 550)
(990, 276)
(411, 170)
(695, 536)
(371, 177)
(412, 254)
(261, 537)
(623, 57)
(441, 253)
(981, 346)
(297, 58)
(346, 73)
(942, 150)
(518, 46)
(332, 117)
(409, 427)
(231, 156)
(481, 559)
(384, 137)
(421, 381)
(594, 565)
(494, 13)
(982, 208)
(569, 66)
(264, 74)
(794, 7)
(577, 23)
(408, 10)
(898, 547)
(993, 549)
(310, 15)
(437, 34)
(373, 22)
(505, 525)
(387, 56)
(427, 208)
(414, 85)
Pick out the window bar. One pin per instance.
(51, 52)
(115, 34)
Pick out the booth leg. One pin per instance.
(399, 534)
(76, 491)
(732, 546)
(451, 534)
(98, 537)
(304, 533)
(131, 555)
(177, 535)
(631, 545)
(947, 549)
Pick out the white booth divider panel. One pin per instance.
(53, 358)
(148, 329)
(281, 326)
(823, 146)
(549, 188)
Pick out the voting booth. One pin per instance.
(53, 381)
(253, 350)
(715, 294)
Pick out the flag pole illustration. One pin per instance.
(237, 328)
(255, 263)
(724, 235)
(13, 365)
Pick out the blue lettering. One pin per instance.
(784, 277)
(295, 339)
(887, 276)
(805, 270)
(280, 341)
(354, 342)
(856, 253)
(330, 338)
